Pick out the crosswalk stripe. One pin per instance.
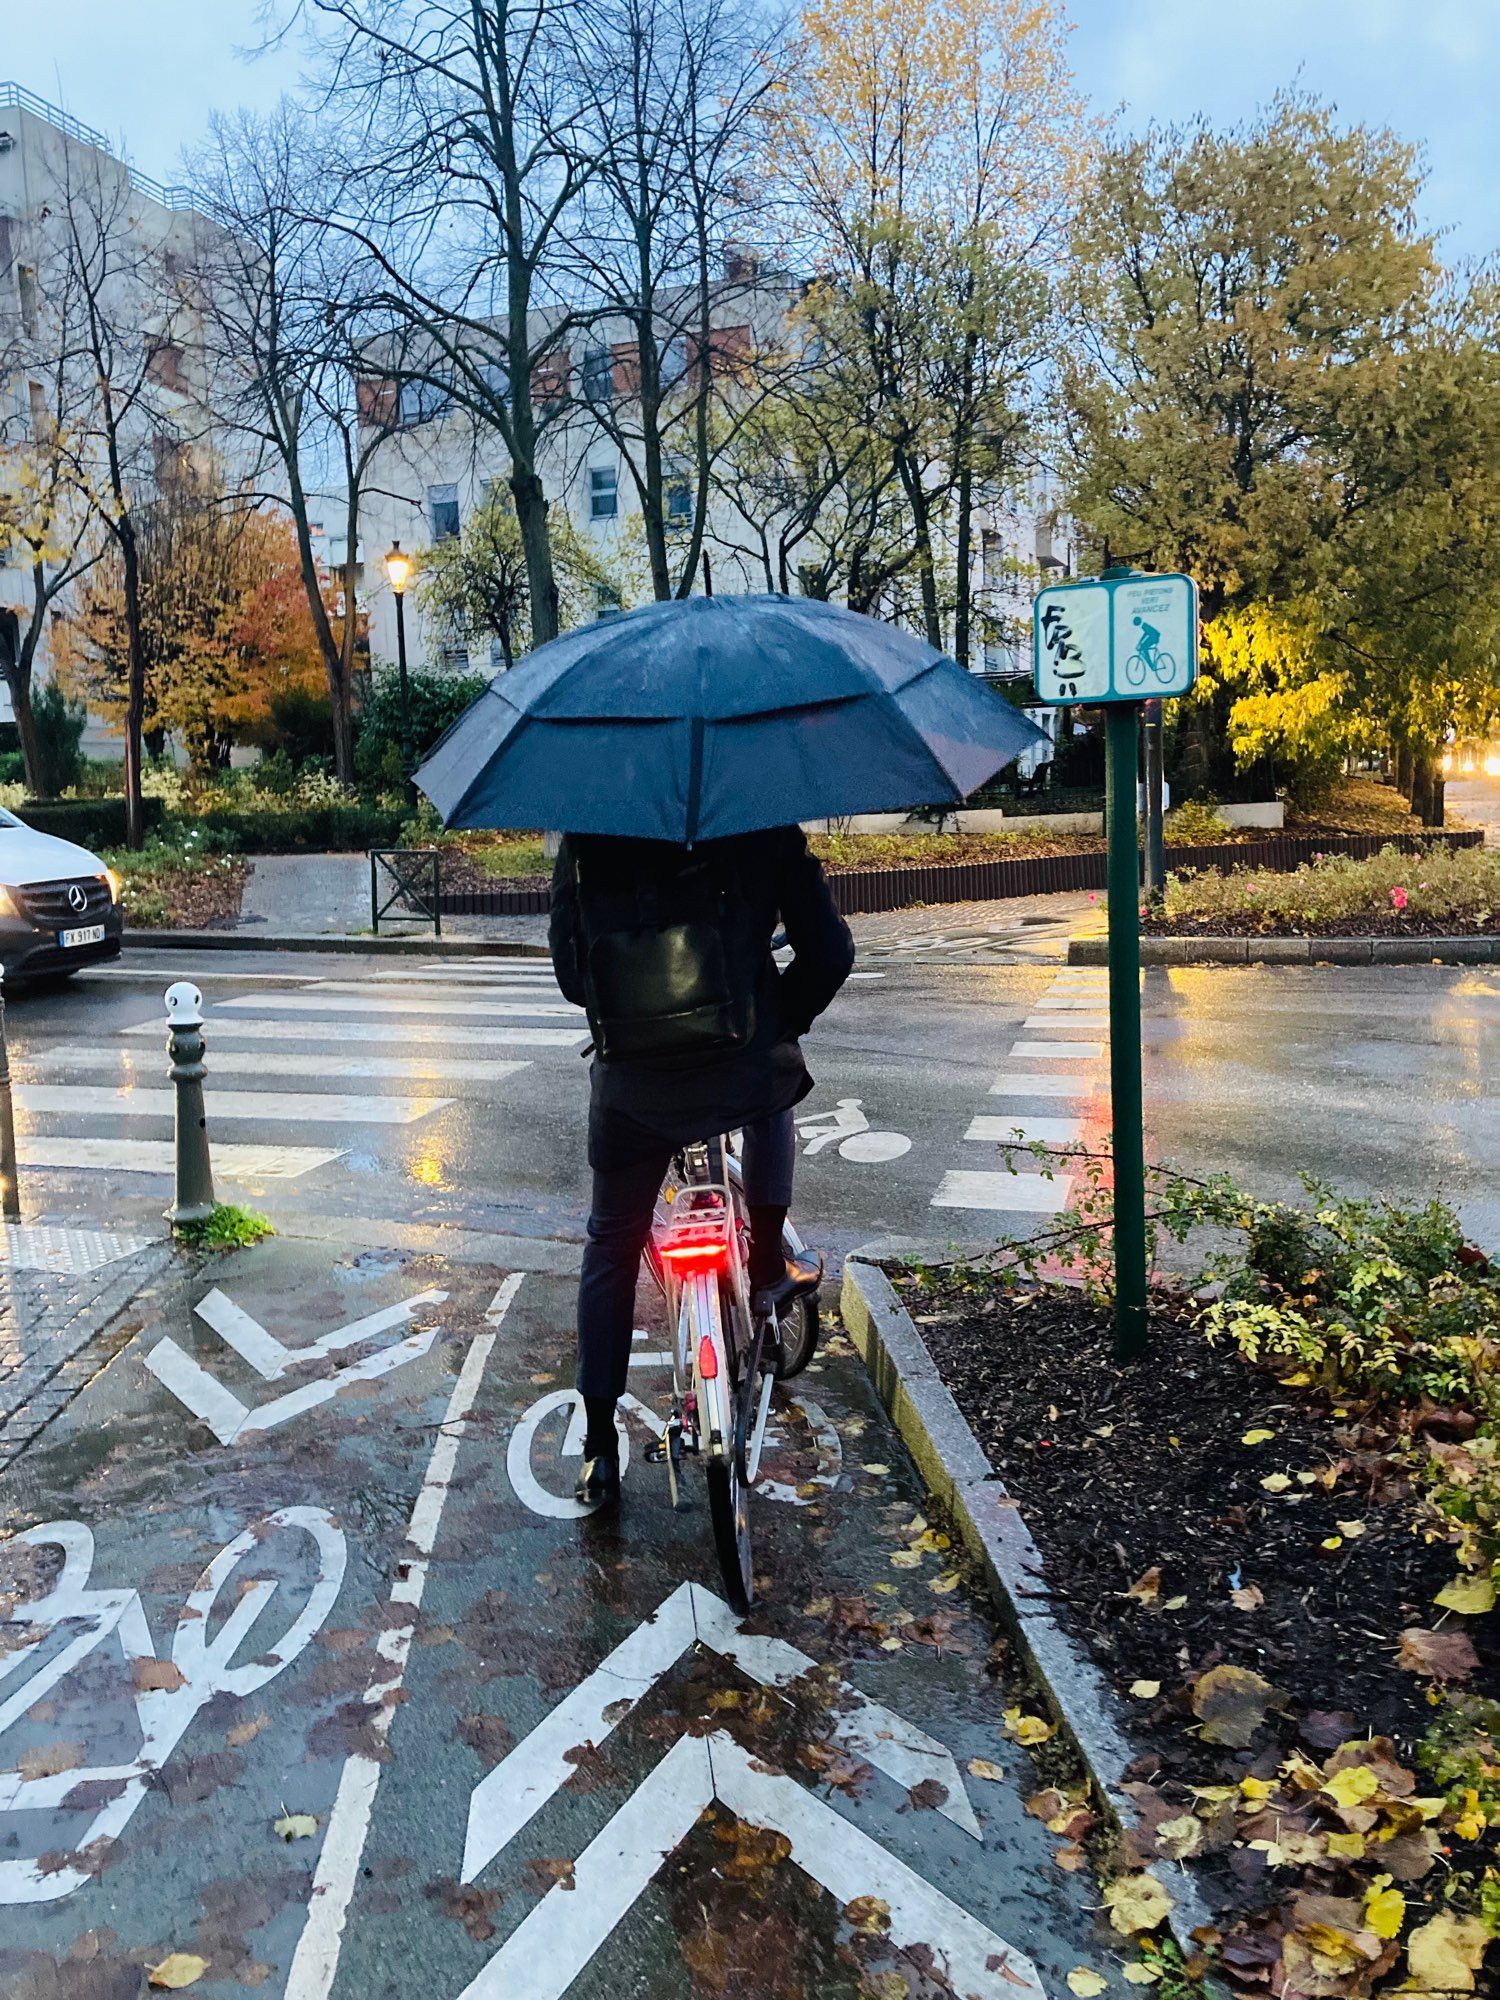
(263, 1062)
(158, 1156)
(1003, 1131)
(1026, 1194)
(1014, 1083)
(1053, 1051)
(293, 1107)
(1066, 1024)
(224, 1027)
(1091, 998)
(359, 1000)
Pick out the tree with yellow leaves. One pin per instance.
(929, 155)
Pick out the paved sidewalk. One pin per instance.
(307, 895)
(351, 1705)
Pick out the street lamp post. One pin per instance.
(398, 569)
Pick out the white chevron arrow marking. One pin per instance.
(511, 1795)
(550, 1948)
(230, 1418)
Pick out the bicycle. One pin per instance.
(726, 1357)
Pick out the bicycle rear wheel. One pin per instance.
(729, 1512)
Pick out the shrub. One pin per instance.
(1196, 823)
(59, 726)
(276, 773)
(90, 822)
(437, 700)
(1439, 883)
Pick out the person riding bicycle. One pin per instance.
(696, 1031)
(1149, 640)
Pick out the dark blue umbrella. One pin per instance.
(717, 715)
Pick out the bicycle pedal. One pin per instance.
(656, 1452)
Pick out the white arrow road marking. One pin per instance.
(316, 1958)
(521, 1784)
(556, 1940)
(229, 1418)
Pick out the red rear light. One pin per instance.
(708, 1359)
(698, 1240)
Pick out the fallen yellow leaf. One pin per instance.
(1444, 1954)
(1470, 1595)
(1086, 1984)
(1352, 1786)
(906, 1558)
(876, 1471)
(1333, 1542)
(296, 1826)
(1257, 1437)
(1351, 1530)
(1145, 1690)
(1141, 1975)
(1346, 1846)
(1028, 1729)
(1385, 1909)
(1276, 1482)
(177, 1969)
(1136, 1903)
(945, 1583)
(981, 1767)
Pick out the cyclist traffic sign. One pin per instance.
(1128, 638)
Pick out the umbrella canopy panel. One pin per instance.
(712, 716)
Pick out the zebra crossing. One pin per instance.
(1057, 1056)
(322, 1059)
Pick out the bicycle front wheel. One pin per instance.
(729, 1511)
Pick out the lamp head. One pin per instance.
(397, 568)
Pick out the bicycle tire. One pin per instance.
(729, 1512)
(799, 1339)
(1164, 665)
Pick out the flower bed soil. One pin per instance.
(189, 899)
(1139, 1476)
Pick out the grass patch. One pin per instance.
(230, 1227)
(181, 879)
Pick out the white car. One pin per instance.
(59, 904)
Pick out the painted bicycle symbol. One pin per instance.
(847, 1127)
(1148, 657)
(123, 1691)
(552, 1430)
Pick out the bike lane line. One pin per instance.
(316, 1959)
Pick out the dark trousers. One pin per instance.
(624, 1199)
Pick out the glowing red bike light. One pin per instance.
(708, 1359)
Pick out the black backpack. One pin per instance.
(670, 962)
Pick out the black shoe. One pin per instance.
(803, 1274)
(598, 1485)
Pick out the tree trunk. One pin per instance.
(1423, 771)
(20, 687)
(963, 555)
(536, 543)
(135, 701)
(1404, 770)
(328, 645)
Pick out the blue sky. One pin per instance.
(149, 71)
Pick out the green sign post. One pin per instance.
(1120, 640)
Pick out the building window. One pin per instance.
(442, 511)
(679, 500)
(37, 399)
(26, 285)
(604, 493)
(164, 365)
(453, 657)
(674, 363)
(496, 378)
(422, 401)
(598, 375)
(497, 651)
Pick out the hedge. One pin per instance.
(88, 822)
(306, 829)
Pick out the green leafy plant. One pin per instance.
(1196, 822)
(229, 1227)
(1439, 884)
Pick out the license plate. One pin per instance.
(88, 934)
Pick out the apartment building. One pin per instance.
(59, 176)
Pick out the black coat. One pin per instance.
(635, 1108)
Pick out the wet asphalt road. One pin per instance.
(272, 1572)
(418, 1093)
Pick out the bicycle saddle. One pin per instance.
(804, 1274)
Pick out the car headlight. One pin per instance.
(9, 907)
(116, 886)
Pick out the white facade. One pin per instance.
(45, 153)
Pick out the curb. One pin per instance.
(952, 1462)
(1296, 951)
(336, 941)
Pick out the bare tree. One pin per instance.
(131, 329)
(287, 327)
(463, 126)
(44, 512)
(661, 251)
